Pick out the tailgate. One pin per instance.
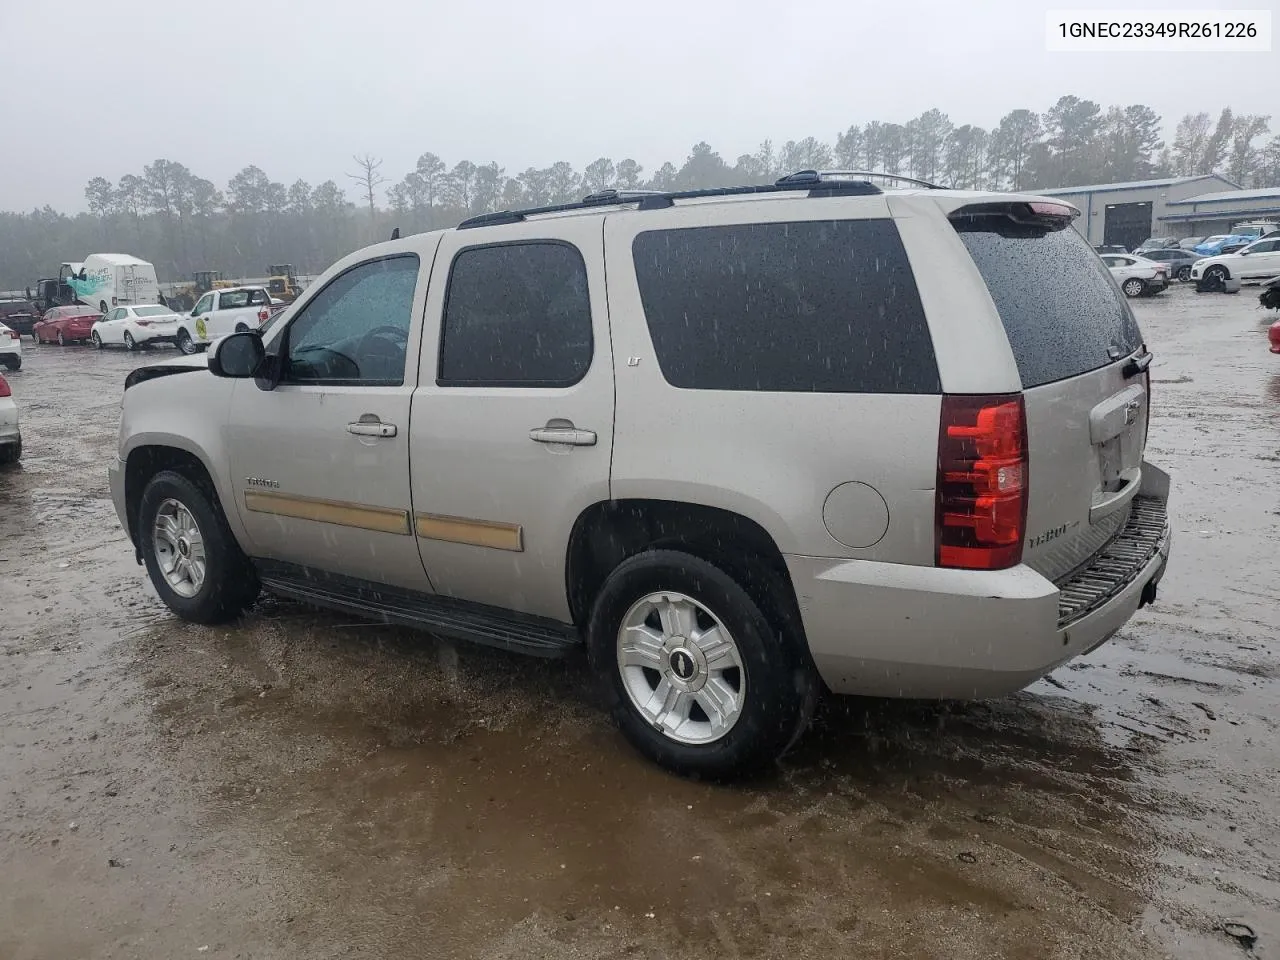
(1085, 439)
(1076, 345)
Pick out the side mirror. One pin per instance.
(237, 355)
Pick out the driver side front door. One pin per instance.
(320, 463)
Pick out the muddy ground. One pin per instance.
(305, 785)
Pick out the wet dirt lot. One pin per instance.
(304, 785)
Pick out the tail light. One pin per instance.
(982, 482)
(143, 323)
(263, 315)
(4, 388)
(14, 334)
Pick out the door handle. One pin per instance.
(568, 435)
(372, 428)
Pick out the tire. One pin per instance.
(102, 306)
(776, 686)
(185, 343)
(1133, 287)
(1184, 274)
(228, 584)
(62, 340)
(11, 453)
(129, 342)
(12, 363)
(97, 339)
(1216, 278)
(242, 328)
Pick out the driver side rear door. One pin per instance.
(320, 463)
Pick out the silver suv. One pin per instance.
(740, 444)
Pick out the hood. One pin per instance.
(167, 368)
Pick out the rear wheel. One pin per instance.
(185, 343)
(102, 306)
(128, 341)
(698, 678)
(1133, 287)
(1184, 274)
(242, 328)
(191, 555)
(12, 363)
(62, 340)
(11, 453)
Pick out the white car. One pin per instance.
(136, 326)
(1260, 260)
(10, 435)
(1137, 276)
(10, 348)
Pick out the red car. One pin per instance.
(65, 325)
(1274, 335)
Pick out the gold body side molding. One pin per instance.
(380, 519)
(477, 533)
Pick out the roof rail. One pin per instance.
(834, 176)
(807, 180)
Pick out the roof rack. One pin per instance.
(830, 176)
(825, 184)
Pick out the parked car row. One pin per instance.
(218, 313)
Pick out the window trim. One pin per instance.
(283, 337)
(442, 381)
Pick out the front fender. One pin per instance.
(186, 413)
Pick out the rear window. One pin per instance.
(828, 307)
(156, 311)
(1060, 309)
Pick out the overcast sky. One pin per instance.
(101, 88)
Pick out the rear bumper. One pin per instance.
(893, 630)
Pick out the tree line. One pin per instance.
(182, 222)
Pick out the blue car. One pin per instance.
(1223, 243)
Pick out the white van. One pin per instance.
(106, 280)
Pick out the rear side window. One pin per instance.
(827, 307)
(1060, 309)
(515, 315)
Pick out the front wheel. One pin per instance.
(62, 340)
(1215, 278)
(1133, 287)
(97, 339)
(698, 678)
(185, 343)
(191, 555)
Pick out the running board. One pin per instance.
(445, 616)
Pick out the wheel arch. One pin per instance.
(608, 532)
(152, 455)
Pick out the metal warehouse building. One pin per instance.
(1210, 213)
(1128, 213)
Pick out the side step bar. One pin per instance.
(455, 619)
